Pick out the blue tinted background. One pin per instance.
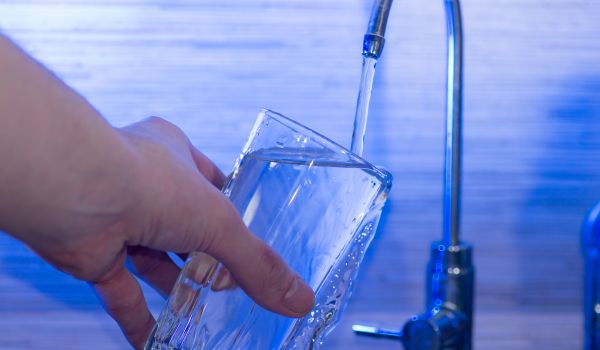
(532, 140)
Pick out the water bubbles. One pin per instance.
(302, 139)
(281, 141)
(363, 236)
(329, 315)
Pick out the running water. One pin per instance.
(362, 104)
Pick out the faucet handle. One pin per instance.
(376, 331)
(439, 329)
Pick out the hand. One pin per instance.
(170, 201)
(86, 197)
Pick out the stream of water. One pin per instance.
(362, 105)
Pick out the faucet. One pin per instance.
(375, 36)
(447, 322)
(591, 299)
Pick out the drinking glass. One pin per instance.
(317, 205)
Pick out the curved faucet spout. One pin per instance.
(448, 320)
(375, 35)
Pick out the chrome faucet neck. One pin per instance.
(374, 39)
(453, 159)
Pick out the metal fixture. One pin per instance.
(591, 300)
(447, 323)
(374, 39)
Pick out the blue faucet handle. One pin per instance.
(591, 301)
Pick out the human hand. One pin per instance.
(86, 196)
(169, 201)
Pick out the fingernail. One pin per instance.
(299, 298)
(223, 281)
(219, 283)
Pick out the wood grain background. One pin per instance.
(532, 140)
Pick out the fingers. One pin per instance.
(122, 298)
(253, 265)
(223, 281)
(203, 220)
(202, 268)
(266, 278)
(189, 214)
(154, 267)
(208, 168)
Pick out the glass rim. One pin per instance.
(326, 141)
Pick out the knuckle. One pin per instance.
(165, 131)
(164, 125)
(156, 120)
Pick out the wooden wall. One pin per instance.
(532, 140)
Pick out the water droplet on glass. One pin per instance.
(281, 141)
(300, 138)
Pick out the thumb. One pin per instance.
(214, 226)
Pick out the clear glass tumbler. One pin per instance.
(317, 205)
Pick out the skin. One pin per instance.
(88, 197)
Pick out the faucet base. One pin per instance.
(447, 324)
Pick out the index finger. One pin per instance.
(208, 168)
